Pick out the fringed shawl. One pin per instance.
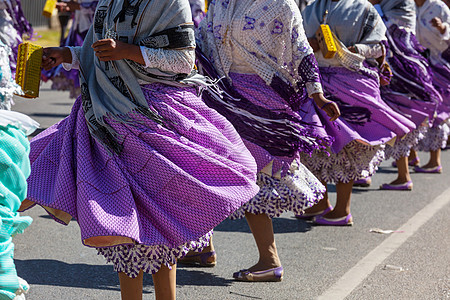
(111, 89)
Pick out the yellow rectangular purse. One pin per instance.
(326, 41)
(49, 7)
(28, 72)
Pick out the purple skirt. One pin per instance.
(411, 91)
(353, 90)
(441, 80)
(365, 125)
(287, 185)
(166, 188)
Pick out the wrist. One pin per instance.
(66, 55)
(318, 98)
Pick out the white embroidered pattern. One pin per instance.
(131, 259)
(354, 161)
(298, 190)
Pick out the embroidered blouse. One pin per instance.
(260, 37)
(429, 36)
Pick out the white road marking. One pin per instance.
(350, 280)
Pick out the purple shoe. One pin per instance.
(275, 274)
(309, 216)
(435, 170)
(412, 163)
(363, 182)
(344, 221)
(407, 186)
(199, 260)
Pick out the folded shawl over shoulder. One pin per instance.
(111, 89)
(400, 12)
(352, 21)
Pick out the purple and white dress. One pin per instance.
(63, 80)
(13, 25)
(366, 121)
(172, 181)
(411, 91)
(439, 47)
(266, 85)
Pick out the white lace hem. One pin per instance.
(295, 192)
(402, 147)
(353, 162)
(131, 259)
(435, 138)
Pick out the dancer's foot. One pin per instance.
(318, 208)
(426, 169)
(344, 221)
(263, 271)
(399, 181)
(363, 182)
(206, 258)
(335, 214)
(266, 265)
(430, 165)
(269, 275)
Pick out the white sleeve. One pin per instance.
(314, 88)
(370, 50)
(176, 61)
(75, 64)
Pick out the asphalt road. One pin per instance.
(331, 262)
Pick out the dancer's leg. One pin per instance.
(262, 229)
(435, 159)
(131, 288)
(403, 171)
(165, 281)
(342, 207)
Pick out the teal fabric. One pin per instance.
(14, 170)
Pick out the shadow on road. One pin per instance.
(58, 273)
(194, 277)
(102, 277)
(280, 225)
(47, 115)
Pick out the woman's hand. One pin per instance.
(436, 22)
(110, 49)
(330, 107)
(352, 49)
(68, 6)
(54, 56)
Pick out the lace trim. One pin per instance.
(435, 138)
(75, 64)
(295, 192)
(402, 147)
(370, 50)
(131, 259)
(314, 88)
(176, 61)
(353, 162)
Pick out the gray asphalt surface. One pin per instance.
(53, 261)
